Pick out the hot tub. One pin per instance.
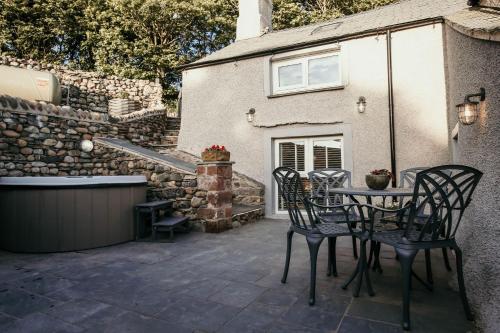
(56, 214)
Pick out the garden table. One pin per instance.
(368, 193)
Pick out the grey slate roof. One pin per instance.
(401, 12)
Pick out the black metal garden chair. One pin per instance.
(448, 190)
(407, 179)
(304, 221)
(322, 180)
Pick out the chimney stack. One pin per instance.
(255, 18)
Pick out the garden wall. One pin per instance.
(38, 139)
(91, 91)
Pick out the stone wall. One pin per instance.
(38, 139)
(246, 191)
(76, 125)
(91, 91)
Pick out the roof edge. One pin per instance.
(458, 22)
(361, 34)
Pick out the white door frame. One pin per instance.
(271, 134)
(308, 158)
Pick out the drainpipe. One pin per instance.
(391, 108)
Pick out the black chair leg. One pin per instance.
(372, 251)
(461, 284)
(353, 275)
(406, 258)
(354, 248)
(313, 242)
(446, 260)
(363, 267)
(332, 259)
(376, 262)
(367, 274)
(289, 236)
(428, 266)
(329, 263)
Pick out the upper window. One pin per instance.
(307, 73)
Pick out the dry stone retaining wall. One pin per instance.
(38, 139)
(91, 91)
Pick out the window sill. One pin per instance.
(305, 91)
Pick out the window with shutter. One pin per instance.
(307, 154)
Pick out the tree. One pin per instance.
(50, 30)
(289, 14)
(150, 38)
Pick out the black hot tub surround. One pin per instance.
(55, 214)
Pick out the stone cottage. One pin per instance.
(373, 90)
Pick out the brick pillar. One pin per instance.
(215, 178)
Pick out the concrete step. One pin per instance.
(246, 214)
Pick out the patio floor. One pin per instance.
(228, 282)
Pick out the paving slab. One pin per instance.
(228, 282)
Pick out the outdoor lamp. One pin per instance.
(468, 111)
(87, 146)
(361, 104)
(251, 115)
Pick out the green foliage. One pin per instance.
(49, 30)
(145, 39)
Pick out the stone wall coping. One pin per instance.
(216, 163)
(137, 151)
(37, 113)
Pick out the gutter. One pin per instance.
(390, 97)
(319, 42)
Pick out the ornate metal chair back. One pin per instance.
(291, 190)
(322, 180)
(407, 177)
(447, 192)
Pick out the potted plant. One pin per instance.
(378, 179)
(215, 153)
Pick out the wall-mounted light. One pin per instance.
(361, 104)
(251, 115)
(87, 146)
(468, 111)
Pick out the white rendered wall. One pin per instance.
(474, 63)
(216, 98)
(420, 97)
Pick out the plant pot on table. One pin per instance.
(377, 182)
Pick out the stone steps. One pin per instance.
(243, 215)
(169, 139)
(173, 124)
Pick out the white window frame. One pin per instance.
(304, 61)
(308, 157)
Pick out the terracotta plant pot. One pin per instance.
(377, 182)
(215, 155)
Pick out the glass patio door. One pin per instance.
(305, 155)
